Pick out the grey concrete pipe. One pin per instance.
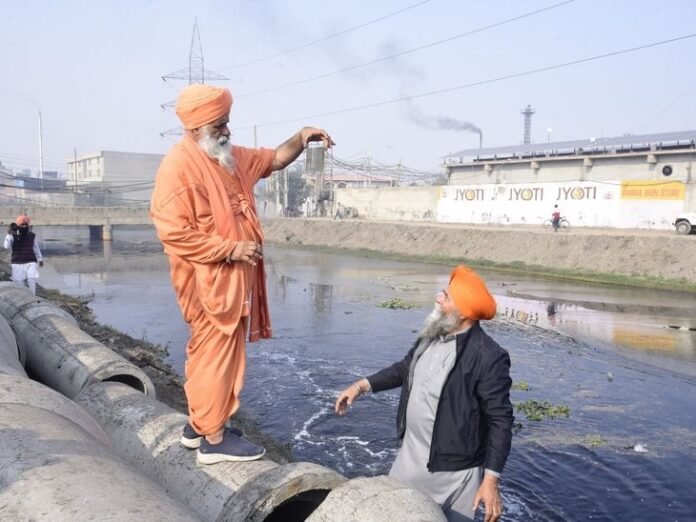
(146, 433)
(57, 352)
(53, 470)
(9, 352)
(22, 391)
(377, 499)
(15, 297)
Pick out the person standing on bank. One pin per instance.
(204, 210)
(455, 417)
(25, 257)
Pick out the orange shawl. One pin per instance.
(219, 286)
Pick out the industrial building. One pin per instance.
(624, 182)
(665, 156)
(116, 177)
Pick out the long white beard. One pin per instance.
(218, 149)
(439, 324)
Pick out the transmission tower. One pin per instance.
(527, 124)
(194, 73)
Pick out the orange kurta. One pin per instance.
(200, 211)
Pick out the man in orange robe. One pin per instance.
(204, 211)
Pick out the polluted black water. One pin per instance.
(618, 367)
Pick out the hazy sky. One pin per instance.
(94, 69)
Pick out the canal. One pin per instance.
(622, 360)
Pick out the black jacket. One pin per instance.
(23, 249)
(473, 422)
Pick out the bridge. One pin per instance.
(99, 219)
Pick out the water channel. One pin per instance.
(622, 360)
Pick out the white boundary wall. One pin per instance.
(618, 204)
(648, 204)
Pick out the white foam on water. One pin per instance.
(514, 507)
(303, 435)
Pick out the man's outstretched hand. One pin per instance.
(489, 495)
(347, 396)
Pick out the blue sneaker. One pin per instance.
(232, 448)
(191, 439)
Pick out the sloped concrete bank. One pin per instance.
(639, 258)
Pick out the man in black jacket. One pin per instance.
(25, 257)
(455, 417)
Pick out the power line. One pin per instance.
(668, 106)
(475, 84)
(407, 51)
(329, 37)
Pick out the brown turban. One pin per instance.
(22, 220)
(200, 104)
(470, 295)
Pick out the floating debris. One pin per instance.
(610, 376)
(396, 304)
(521, 386)
(536, 411)
(595, 441)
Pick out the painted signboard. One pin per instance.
(621, 204)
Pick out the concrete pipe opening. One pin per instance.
(298, 508)
(129, 380)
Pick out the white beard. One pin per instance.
(439, 324)
(218, 149)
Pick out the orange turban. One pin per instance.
(200, 104)
(22, 220)
(470, 295)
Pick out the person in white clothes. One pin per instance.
(25, 257)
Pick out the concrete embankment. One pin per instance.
(639, 258)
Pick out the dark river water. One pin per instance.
(623, 361)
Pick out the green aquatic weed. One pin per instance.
(521, 386)
(536, 411)
(396, 304)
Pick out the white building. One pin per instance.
(665, 156)
(127, 177)
(624, 182)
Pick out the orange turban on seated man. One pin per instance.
(22, 220)
(470, 295)
(199, 105)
